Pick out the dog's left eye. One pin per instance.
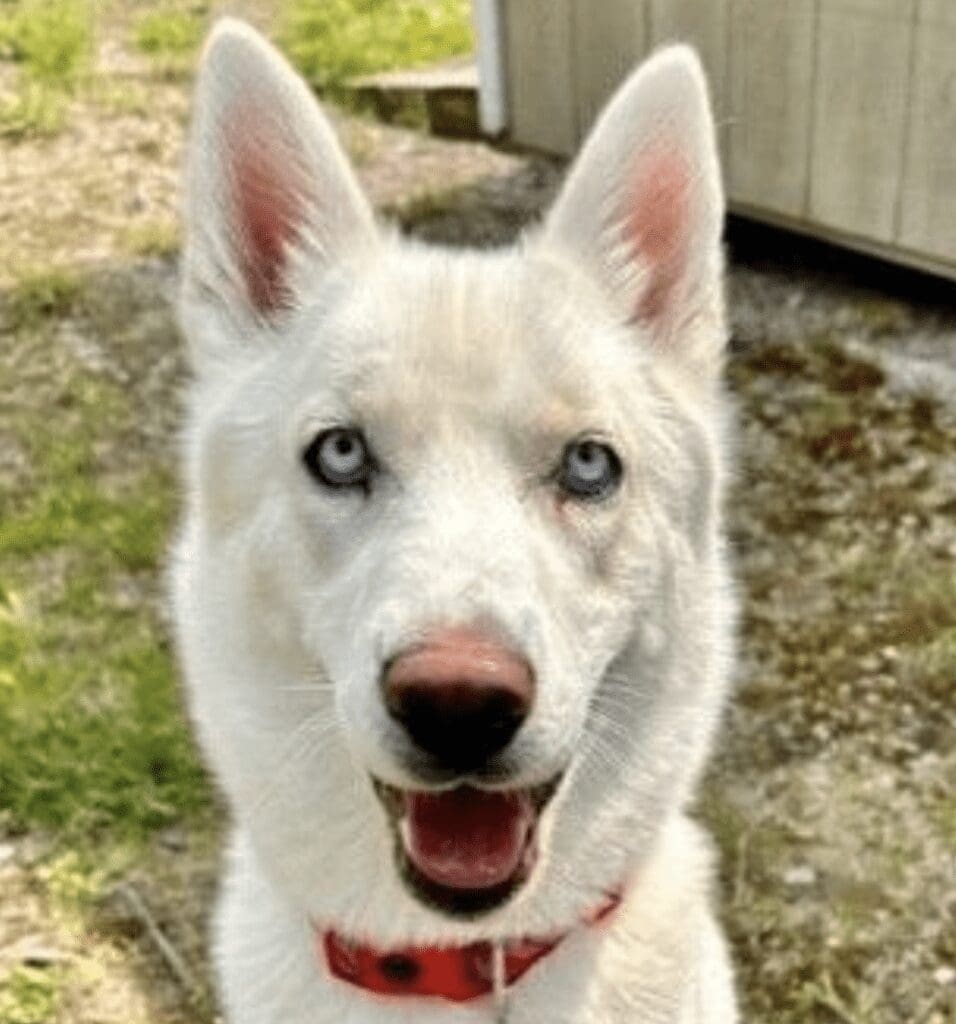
(589, 470)
(339, 457)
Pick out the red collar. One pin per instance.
(458, 973)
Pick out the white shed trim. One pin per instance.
(492, 78)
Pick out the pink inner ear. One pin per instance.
(658, 227)
(268, 208)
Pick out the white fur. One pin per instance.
(468, 372)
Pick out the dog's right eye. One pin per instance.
(339, 457)
(589, 470)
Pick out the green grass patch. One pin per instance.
(30, 995)
(35, 109)
(119, 97)
(52, 40)
(52, 43)
(93, 743)
(152, 238)
(40, 294)
(91, 734)
(917, 595)
(169, 33)
(131, 528)
(334, 40)
(95, 746)
(170, 36)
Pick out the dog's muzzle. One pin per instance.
(461, 697)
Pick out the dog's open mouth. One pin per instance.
(465, 851)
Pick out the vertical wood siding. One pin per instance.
(836, 117)
(927, 214)
(609, 39)
(863, 57)
(541, 74)
(771, 61)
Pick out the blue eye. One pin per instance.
(339, 457)
(589, 470)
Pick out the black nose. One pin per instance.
(460, 696)
(460, 726)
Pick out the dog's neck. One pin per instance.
(455, 973)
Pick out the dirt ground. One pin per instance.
(833, 792)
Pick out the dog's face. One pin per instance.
(449, 591)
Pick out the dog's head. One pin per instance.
(450, 592)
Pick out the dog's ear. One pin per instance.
(643, 207)
(272, 204)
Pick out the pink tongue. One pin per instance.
(467, 838)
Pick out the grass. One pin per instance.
(98, 749)
(152, 238)
(93, 747)
(851, 628)
(170, 36)
(41, 294)
(332, 41)
(51, 41)
(118, 98)
(97, 765)
(29, 995)
(35, 109)
(93, 738)
(169, 32)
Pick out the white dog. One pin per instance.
(451, 593)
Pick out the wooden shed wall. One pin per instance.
(837, 117)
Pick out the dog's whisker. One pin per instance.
(598, 748)
(307, 688)
(606, 726)
(298, 746)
